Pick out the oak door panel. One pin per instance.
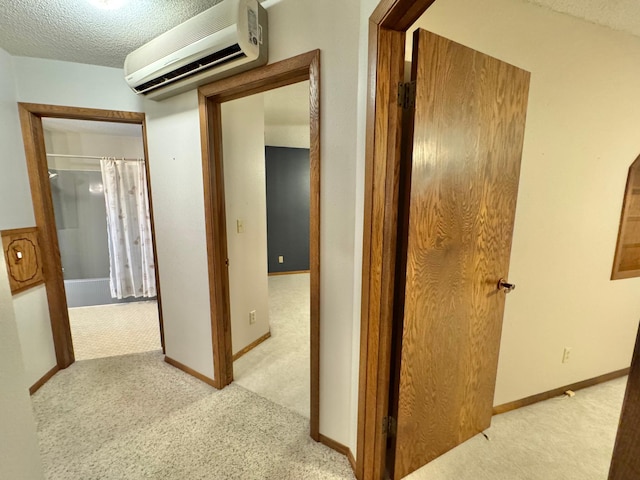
(468, 133)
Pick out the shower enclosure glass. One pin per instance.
(78, 202)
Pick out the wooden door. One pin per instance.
(468, 130)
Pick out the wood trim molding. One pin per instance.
(340, 448)
(33, 136)
(18, 231)
(313, 75)
(275, 75)
(210, 97)
(215, 226)
(45, 378)
(31, 115)
(399, 15)
(81, 113)
(334, 445)
(556, 392)
(387, 27)
(379, 260)
(190, 371)
(293, 272)
(153, 232)
(352, 460)
(251, 346)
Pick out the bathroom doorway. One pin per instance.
(100, 201)
(101, 156)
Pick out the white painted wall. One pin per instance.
(366, 9)
(15, 205)
(580, 139)
(19, 454)
(286, 116)
(16, 211)
(91, 144)
(295, 26)
(175, 160)
(73, 84)
(292, 136)
(246, 201)
(580, 125)
(176, 182)
(34, 330)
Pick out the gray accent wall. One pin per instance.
(287, 178)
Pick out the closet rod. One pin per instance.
(89, 157)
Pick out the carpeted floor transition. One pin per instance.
(136, 417)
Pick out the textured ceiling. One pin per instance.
(621, 15)
(76, 31)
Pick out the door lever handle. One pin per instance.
(505, 286)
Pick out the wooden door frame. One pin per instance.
(31, 116)
(387, 31)
(211, 97)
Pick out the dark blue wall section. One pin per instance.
(287, 172)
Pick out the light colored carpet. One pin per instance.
(560, 439)
(117, 329)
(135, 417)
(279, 368)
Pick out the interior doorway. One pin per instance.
(265, 141)
(385, 229)
(78, 170)
(99, 190)
(302, 68)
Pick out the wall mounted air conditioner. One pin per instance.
(228, 38)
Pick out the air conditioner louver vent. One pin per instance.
(199, 27)
(218, 58)
(228, 38)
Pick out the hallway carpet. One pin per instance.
(559, 439)
(117, 329)
(279, 368)
(136, 417)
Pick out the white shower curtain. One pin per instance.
(132, 270)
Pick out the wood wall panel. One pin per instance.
(626, 262)
(24, 260)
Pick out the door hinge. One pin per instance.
(226, 262)
(389, 426)
(407, 95)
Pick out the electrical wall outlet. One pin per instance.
(566, 355)
(280, 259)
(252, 317)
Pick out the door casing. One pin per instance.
(31, 116)
(286, 72)
(387, 30)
